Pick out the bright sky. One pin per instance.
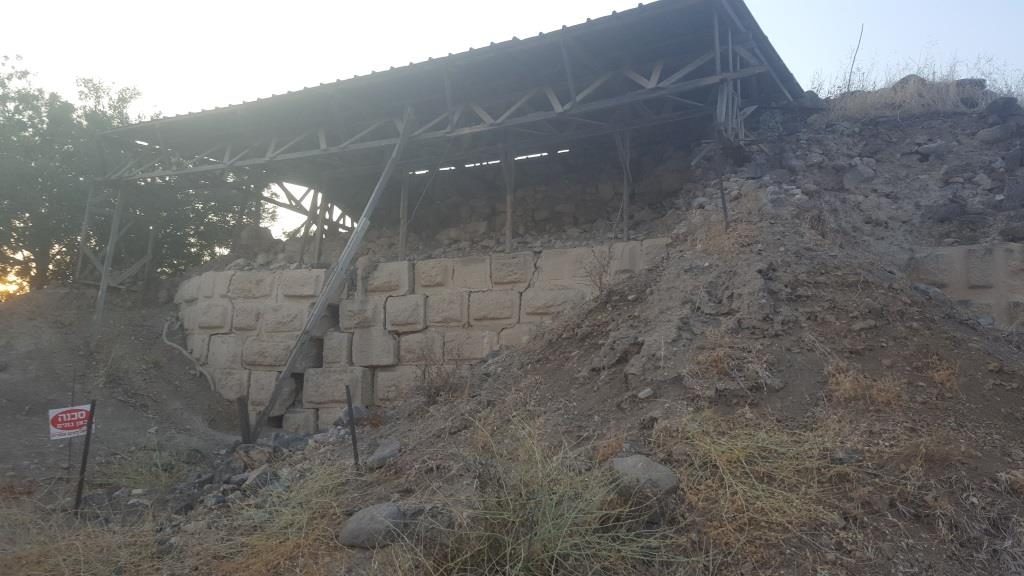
(187, 55)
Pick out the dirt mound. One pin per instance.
(822, 412)
(147, 394)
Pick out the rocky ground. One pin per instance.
(778, 397)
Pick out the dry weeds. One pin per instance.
(724, 357)
(751, 484)
(849, 384)
(540, 511)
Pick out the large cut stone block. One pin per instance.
(362, 313)
(934, 268)
(426, 347)
(326, 386)
(261, 386)
(231, 384)
(448, 308)
(374, 347)
(270, 352)
(655, 250)
(572, 268)
(626, 260)
(327, 416)
(225, 351)
(396, 383)
(390, 279)
(472, 273)
(214, 315)
(512, 271)
(247, 316)
(214, 284)
(539, 304)
(516, 335)
(494, 308)
(464, 345)
(284, 317)
(337, 349)
(255, 284)
(198, 346)
(301, 283)
(433, 275)
(406, 313)
(188, 291)
(299, 421)
(980, 267)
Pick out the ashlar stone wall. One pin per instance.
(401, 320)
(987, 279)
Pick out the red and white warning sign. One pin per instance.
(69, 422)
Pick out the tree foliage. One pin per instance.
(49, 161)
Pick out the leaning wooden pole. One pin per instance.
(337, 274)
(108, 260)
(622, 144)
(84, 233)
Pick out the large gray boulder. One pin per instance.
(373, 527)
(638, 473)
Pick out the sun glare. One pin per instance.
(11, 286)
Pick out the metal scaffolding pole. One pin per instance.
(337, 274)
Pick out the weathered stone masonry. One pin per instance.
(402, 318)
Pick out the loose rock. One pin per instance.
(386, 453)
(638, 473)
(373, 527)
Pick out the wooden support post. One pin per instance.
(403, 226)
(108, 260)
(314, 207)
(149, 262)
(622, 144)
(319, 240)
(83, 234)
(508, 171)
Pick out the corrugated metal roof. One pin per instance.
(490, 50)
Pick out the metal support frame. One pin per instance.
(623, 146)
(338, 272)
(508, 172)
(108, 259)
(403, 211)
(558, 111)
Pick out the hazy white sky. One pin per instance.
(187, 55)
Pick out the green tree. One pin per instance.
(41, 184)
(49, 162)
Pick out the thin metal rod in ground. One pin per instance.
(85, 455)
(352, 425)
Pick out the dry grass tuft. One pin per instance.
(945, 373)
(911, 96)
(847, 383)
(287, 531)
(751, 484)
(540, 512)
(37, 541)
(443, 382)
(724, 357)
(714, 240)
